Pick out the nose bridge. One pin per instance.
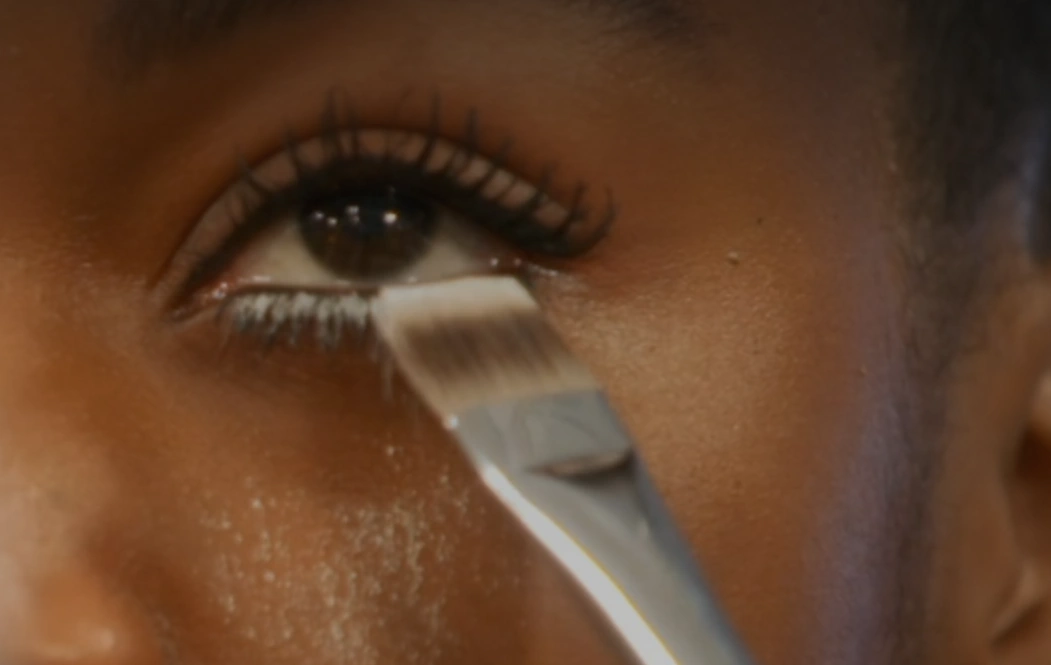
(58, 604)
(73, 616)
(57, 378)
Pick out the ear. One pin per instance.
(1022, 622)
(1021, 625)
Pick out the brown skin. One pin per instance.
(166, 499)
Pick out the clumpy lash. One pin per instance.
(295, 317)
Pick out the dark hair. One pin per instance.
(978, 71)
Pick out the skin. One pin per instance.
(166, 498)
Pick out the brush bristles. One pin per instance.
(475, 341)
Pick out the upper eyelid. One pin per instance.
(404, 147)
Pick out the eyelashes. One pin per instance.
(447, 207)
(293, 317)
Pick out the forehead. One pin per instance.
(125, 63)
(152, 26)
(134, 34)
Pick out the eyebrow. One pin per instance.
(142, 32)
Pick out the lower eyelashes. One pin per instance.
(294, 248)
(292, 317)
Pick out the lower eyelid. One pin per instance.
(282, 308)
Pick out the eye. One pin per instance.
(303, 239)
(365, 238)
(368, 234)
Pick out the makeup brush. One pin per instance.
(543, 438)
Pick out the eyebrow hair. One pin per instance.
(142, 32)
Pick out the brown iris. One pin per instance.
(367, 233)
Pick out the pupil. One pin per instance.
(367, 234)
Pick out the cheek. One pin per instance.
(761, 389)
(284, 518)
(235, 511)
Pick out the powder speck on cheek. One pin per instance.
(347, 583)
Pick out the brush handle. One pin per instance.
(597, 512)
